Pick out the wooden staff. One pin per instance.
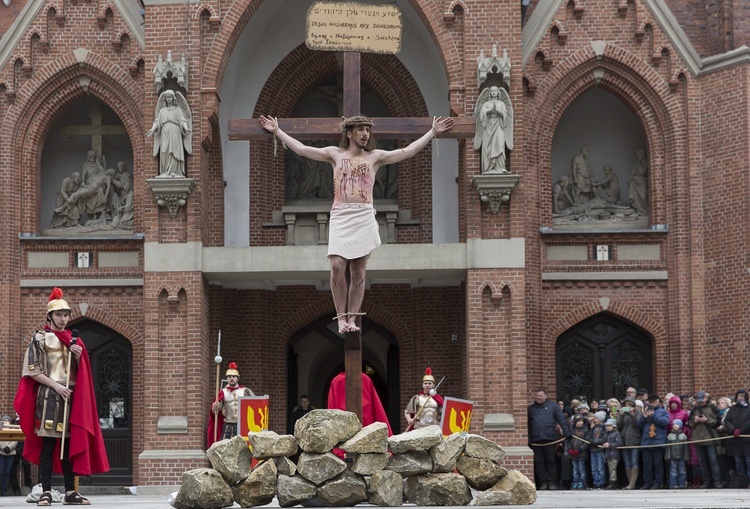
(217, 360)
(67, 386)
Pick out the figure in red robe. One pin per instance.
(46, 389)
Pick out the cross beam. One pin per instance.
(404, 128)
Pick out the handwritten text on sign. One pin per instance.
(348, 26)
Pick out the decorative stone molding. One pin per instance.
(493, 64)
(170, 69)
(495, 189)
(171, 192)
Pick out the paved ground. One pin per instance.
(657, 499)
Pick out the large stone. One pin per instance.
(318, 468)
(386, 489)
(321, 430)
(522, 490)
(421, 439)
(481, 474)
(410, 463)
(268, 444)
(231, 458)
(492, 497)
(437, 489)
(259, 488)
(370, 439)
(285, 466)
(368, 464)
(445, 454)
(348, 489)
(293, 490)
(203, 488)
(482, 448)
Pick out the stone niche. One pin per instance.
(86, 127)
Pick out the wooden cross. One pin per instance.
(317, 128)
(96, 130)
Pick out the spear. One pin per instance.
(67, 386)
(217, 360)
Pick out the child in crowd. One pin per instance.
(676, 453)
(577, 451)
(611, 453)
(596, 453)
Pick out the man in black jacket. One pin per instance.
(543, 416)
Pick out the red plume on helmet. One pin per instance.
(56, 301)
(232, 370)
(428, 375)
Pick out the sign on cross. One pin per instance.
(322, 128)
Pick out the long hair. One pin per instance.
(348, 125)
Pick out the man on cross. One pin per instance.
(353, 231)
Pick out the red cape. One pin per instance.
(372, 408)
(212, 419)
(87, 452)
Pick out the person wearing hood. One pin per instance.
(627, 423)
(676, 411)
(737, 423)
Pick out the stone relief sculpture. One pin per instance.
(580, 177)
(95, 198)
(584, 198)
(172, 131)
(494, 114)
(638, 180)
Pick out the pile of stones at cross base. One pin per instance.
(420, 467)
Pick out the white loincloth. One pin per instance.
(353, 231)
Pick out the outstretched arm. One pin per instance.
(271, 125)
(439, 125)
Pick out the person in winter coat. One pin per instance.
(577, 451)
(611, 452)
(736, 423)
(676, 455)
(543, 418)
(7, 457)
(653, 423)
(703, 421)
(598, 435)
(627, 423)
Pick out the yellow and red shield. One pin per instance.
(456, 416)
(253, 414)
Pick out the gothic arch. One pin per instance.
(242, 11)
(638, 86)
(55, 87)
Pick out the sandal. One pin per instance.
(45, 499)
(75, 499)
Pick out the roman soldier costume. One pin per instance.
(228, 398)
(424, 407)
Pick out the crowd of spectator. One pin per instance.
(691, 441)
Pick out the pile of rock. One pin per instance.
(420, 466)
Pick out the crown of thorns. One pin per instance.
(354, 121)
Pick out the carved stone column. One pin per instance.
(494, 188)
(171, 192)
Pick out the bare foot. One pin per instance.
(352, 323)
(343, 325)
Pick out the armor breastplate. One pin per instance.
(231, 404)
(429, 414)
(57, 360)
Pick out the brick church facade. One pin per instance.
(493, 280)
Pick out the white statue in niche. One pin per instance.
(494, 113)
(172, 131)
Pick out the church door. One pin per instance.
(600, 357)
(111, 365)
